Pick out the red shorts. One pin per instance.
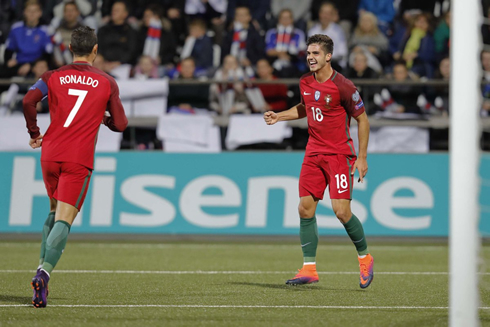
(66, 181)
(321, 170)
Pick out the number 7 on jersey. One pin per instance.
(81, 94)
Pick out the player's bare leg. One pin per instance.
(309, 242)
(354, 229)
(55, 244)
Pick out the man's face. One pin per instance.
(400, 72)
(187, 69)
(32, 14)
(326, 14)
(148, 15)
(264, 70)
(316, 57)
(71, 13)
(119, 12)
(445, 68)
(360, 63)
(242, 15)
(286, 19)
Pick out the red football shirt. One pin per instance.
(78, 96)
(329, 107)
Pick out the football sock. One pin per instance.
(308, 234)
(356, 233)
(48, 225)
(55, 244)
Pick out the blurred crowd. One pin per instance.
(240, 41)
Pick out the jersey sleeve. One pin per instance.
(117, 122)
(35, 94)
(350, 98)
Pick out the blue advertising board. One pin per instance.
(246, 193)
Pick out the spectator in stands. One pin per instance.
(117, 39)
(368, 39)
(212, 12)
(162, 49)
(360, 67)
(286, 46)
(198, 45)
(301, 11)
(62, 37)
(258, 10)
(417, 48)
(382, 9)
(326, 25)
(399, 98)
(229, 96)
(442, 35)
(54, 11)
(275, 95)
(440, 98)
(29, 40)
(179, 97)
(408, 6)
(146, 68)
(345, 13)
(243, 40)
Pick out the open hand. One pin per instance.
(362, 167)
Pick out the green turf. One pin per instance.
(232, 289)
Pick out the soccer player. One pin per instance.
(328, 100)
(78, 96)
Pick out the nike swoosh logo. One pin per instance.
(342, 191)
(304, 93)
(303, 245)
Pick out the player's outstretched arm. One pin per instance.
(30, 113)
(296, 112)
(363, 134)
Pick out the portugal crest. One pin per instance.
(328, 101)
(317, 95)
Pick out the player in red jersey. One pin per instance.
(328, 100)
(78, 96)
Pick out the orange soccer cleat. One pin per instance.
(366, 267)
(305, 275)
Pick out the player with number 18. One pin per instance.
(78, 96)
(328, 100)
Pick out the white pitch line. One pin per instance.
(233, 306)
(231, 272)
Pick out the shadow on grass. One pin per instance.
(299, 288)
(15, 299)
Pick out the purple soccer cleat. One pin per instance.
(40, 287)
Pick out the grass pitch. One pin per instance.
(229, 284)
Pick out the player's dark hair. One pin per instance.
(83, 40)
(323, 40)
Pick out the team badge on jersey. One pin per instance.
(317, 95)
(328, 101)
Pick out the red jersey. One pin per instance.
(329, 107)
(78, 96)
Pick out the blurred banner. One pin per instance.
(233, 193)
